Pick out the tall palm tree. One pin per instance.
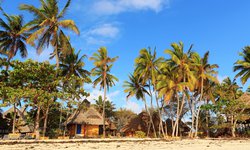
(147, 66)
(47, 27)
(243, 66)
(136, 87)
(103, 65)
(180, 61)
(204, 72)
(12, 36)
(168, 87)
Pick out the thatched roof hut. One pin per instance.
(91, 116)
(86, 123)
(138, 123)
(21, 125)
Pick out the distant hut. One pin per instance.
(87, 123)
(21, 125)
(138, 123)
(111, 129)
(183, 127)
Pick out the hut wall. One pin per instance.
(92, 130)
(72, 129)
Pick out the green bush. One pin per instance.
(140, 134)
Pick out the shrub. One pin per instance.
(140, 134)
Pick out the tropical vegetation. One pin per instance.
(179, 90)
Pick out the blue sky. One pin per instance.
(126, 26)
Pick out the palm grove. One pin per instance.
(182, 86)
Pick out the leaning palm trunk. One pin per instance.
(150, 117)
(197, 121)
(177, 116)
(198, 111)
(179, 111)
(160, 116)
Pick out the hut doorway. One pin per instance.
(100, 129)
(79, 129)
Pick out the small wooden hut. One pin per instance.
(87, 123)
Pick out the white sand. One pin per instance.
(135, 145)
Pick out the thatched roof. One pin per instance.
(138, 123)
(22, 126)
(245, 117)
(91, 116)
(245, 98)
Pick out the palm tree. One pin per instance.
(103, 65)
(203, 72)
(243, 66)
(168, 87)
(12, 36)
(73, 64)
(109, 107)
(136, 87)
(180, 62)
(47, 27)
(147, 66)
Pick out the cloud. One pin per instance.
(221, 78)
(133, 106)
(44, 56)
(94, 94)
(106, 30)
(101, 34)
(112, 7)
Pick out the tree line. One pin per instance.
(182, 85)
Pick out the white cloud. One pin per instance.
(44, 56)
(111, 7)
(133, 106)
(106, 30)
(101, 34)
(221, 78)
(96, 93)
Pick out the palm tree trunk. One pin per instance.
(193, 117)
(180, 111)
(45, 121)
(37, 122)
(103, 111)
(198, 112)
(150, 118)
(177, 115)
(207, 122)
(14, 119)
(160, 116)
(197, 121)
(151, 115)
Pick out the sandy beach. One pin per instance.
(197, 144)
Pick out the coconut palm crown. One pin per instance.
(47, 27)
(12, 36)
(243, 66)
